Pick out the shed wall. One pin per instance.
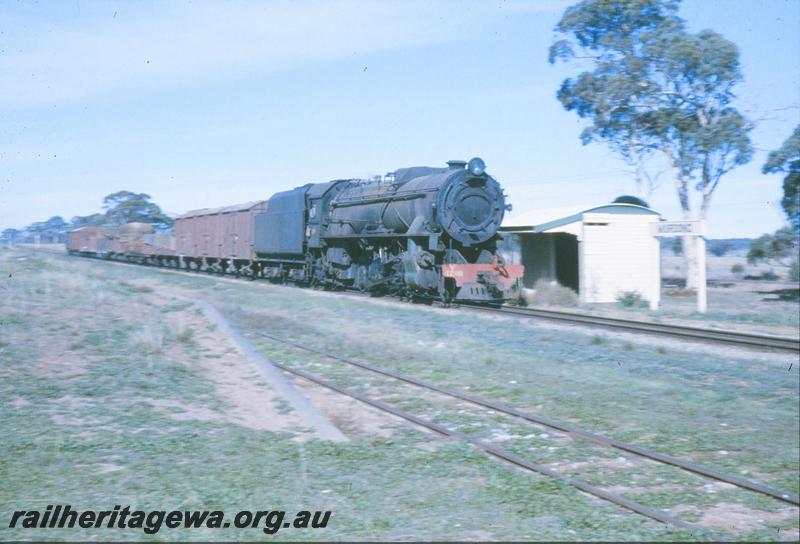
(618, 254)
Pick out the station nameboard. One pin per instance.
(678, 228)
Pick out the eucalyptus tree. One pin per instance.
(127, 207)
(93, 220)
(650, 87)
(786, 159)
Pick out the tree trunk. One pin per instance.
(688, 243)
(705, 203)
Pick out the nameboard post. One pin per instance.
(697, 230)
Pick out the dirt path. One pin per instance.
(300, 406)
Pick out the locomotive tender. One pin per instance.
(419, 232)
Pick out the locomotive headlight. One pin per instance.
(476, 166)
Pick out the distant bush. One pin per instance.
(550, 293)
(677, 246)
(737, 269)
(719, 248)
(794, 271)
(632, 299)
(778, 249)
(768, 275)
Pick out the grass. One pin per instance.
(597, 340)
(757, 308)
(136, 288)
(89, 438)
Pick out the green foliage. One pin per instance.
(719, 247)
(780, 248)
(655, 87)
(121, 207)
(613, 35)
(677, 246)
(768, 275)
(93, 220)
(632, 299)
(54, 230)
(737, 269)
(127, 207)
(786, 159)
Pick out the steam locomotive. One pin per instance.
(417, 232)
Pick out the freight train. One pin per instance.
(423, 232)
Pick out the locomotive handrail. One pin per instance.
(376, 235)
(382, 198)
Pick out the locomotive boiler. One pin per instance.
(420, 232)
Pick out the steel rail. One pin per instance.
(508, 456)
(648, 327)
(564, 427)
(684, 331)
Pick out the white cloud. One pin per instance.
(134, 46)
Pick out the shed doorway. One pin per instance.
(550, 257)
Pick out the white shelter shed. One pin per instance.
(600, 252)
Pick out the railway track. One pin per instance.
(523, 462)
(700, 334)
(783, 343)
(646, 453)
(509, 456)
(506, 455)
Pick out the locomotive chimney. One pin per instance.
(457, 165)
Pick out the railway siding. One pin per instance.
(563, 427)
(565, 456)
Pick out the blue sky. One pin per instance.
(204, 104)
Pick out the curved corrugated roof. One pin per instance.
(539, 222)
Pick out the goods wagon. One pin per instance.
(137, 242)
(218, 237)
(129, 242)
(84, 240)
